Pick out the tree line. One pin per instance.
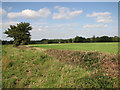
(77, 39)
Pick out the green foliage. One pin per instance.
(79, 39)
(69, 40)
(20, 33)
(105, 39)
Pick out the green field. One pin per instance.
(101, 47)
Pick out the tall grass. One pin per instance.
(31, 68)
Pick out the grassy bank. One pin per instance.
(41, 68)
(100, 47)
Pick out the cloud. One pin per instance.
(101, 17)
(65, 13)
(95, 26)
(38, 23)
(60, 27)
(6, 25)
(14, 15)
(94, 14)
(30, 14)
(37, 28)
(105, 19)
(2, 12)
(53, 27)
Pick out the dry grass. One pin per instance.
(108, 63)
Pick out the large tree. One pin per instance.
(20, 33)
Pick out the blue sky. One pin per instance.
(63, 19)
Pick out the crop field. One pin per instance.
(84, 65)
(100, 47)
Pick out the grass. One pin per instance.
(31, 68)
(111, 48)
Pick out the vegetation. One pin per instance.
(77, 39)
(31, 67)
(101, 47)
(19, 33)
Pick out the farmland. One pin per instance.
(100, 47)
(81, 65)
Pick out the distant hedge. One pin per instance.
(77, 39)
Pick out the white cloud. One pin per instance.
(38, 23)
(59, 27)
(102, 17)
(105, 19)
(53, 27)
(2, 12)
(6, 25)
(65, 13)
(37, 28)
(94, 14)
(95, 26)
(14, 15)
(30, 14)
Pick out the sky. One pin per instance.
(55, 20)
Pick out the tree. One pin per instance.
(20, 33)
(69, 40)
(76, 39)
(105, 39)
(79, 39)
(93, 38)
(115, 38)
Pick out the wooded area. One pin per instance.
(77, 39)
